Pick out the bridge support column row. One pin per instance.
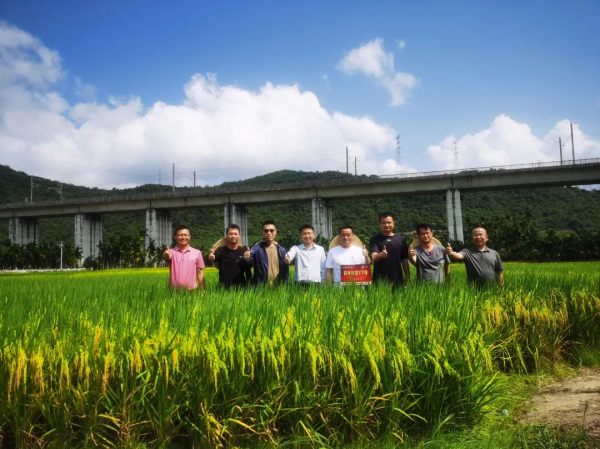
(454, 213)
(321, 218)
(238, 215)
(159, 227)
(24, 230)
(88, 234)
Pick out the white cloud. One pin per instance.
(222, 132)
(371, 60)
(508, 142)
(83, 90)
(401, 44)
(400, 87)
(24, 60)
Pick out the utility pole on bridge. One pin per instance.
(398, 154)
(572, 143)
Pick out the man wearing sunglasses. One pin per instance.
(267, 257)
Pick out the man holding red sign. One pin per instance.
(347, 260)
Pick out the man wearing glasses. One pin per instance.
(267, 257)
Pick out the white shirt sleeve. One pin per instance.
(292, 252)
(329, 260)
(323, 260)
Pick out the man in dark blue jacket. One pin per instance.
(267, 258)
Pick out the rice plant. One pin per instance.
(113, 358)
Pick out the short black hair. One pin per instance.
(232, 226)
(346, 227)
(385, 215)
(423, 226)
(268, 222)
(307, 226)
(181, 228)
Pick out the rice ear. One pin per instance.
(435, 241)
(219, 244)
(336, 242)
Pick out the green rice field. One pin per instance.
(113, 358)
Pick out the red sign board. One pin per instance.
(359, 274)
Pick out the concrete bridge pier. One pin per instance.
(321, 218)
(88, 234)
(454, 213)
(238, 215)
(159, 227)
(22, 231)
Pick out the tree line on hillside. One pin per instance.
(515, 237)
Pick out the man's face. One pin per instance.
(386, 224)
(425, 235)
(307, 236)
(182, 237)
(233, 236)
(480, 237)
(269, 232)
(346, 237)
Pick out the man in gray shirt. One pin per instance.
(482, 263)
(428, 257)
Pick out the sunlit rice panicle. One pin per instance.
(137, 357)
(37, 363)
(20, 372)
(96, 343)
(64, 381)
(175, 359)
(134, 364)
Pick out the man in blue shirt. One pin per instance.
(267, 258)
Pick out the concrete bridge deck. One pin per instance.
(585, 171)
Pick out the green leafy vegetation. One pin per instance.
(114, 358)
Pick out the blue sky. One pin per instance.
(234, 90)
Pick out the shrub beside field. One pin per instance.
(114, 358)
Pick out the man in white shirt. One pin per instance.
(310, 258)
(345, 254)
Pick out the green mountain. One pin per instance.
(558, 208)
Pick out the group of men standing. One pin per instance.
(388, 252)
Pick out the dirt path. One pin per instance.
(569, 403)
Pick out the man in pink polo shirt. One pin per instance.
(185, 263)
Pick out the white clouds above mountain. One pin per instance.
(221, 131)
(508, 142)
(371, 60)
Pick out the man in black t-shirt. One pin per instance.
(234, 270)
(389, 253)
